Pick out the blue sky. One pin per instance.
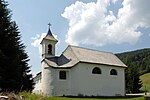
(106, 25)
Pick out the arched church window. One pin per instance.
(96, 70)
(49, 49)
(113, 72)
(62, 75)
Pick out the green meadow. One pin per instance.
(146, 82)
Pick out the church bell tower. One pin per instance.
(48, 44)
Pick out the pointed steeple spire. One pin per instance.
(49, 30)
(49, 35)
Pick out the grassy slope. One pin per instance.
(146, 81)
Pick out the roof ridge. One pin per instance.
(91, 49)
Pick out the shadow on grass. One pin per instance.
(105, 97)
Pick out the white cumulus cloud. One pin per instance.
(92, 23)
(37, 40)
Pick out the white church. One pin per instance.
(78, 71)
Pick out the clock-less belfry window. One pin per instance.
(50, 49)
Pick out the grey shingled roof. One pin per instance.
(73, 55)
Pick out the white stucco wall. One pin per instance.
(80, 80)
(62, 87)
(85, 83)
(47, 79)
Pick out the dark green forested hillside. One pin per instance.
(138, 63)
(139, 59)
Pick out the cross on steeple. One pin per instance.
(49, 24)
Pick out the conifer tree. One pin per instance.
(14, 69)
(133, 82)
(132, 73)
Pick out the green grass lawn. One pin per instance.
(146, 82)
(145, 88)
(39, 97)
